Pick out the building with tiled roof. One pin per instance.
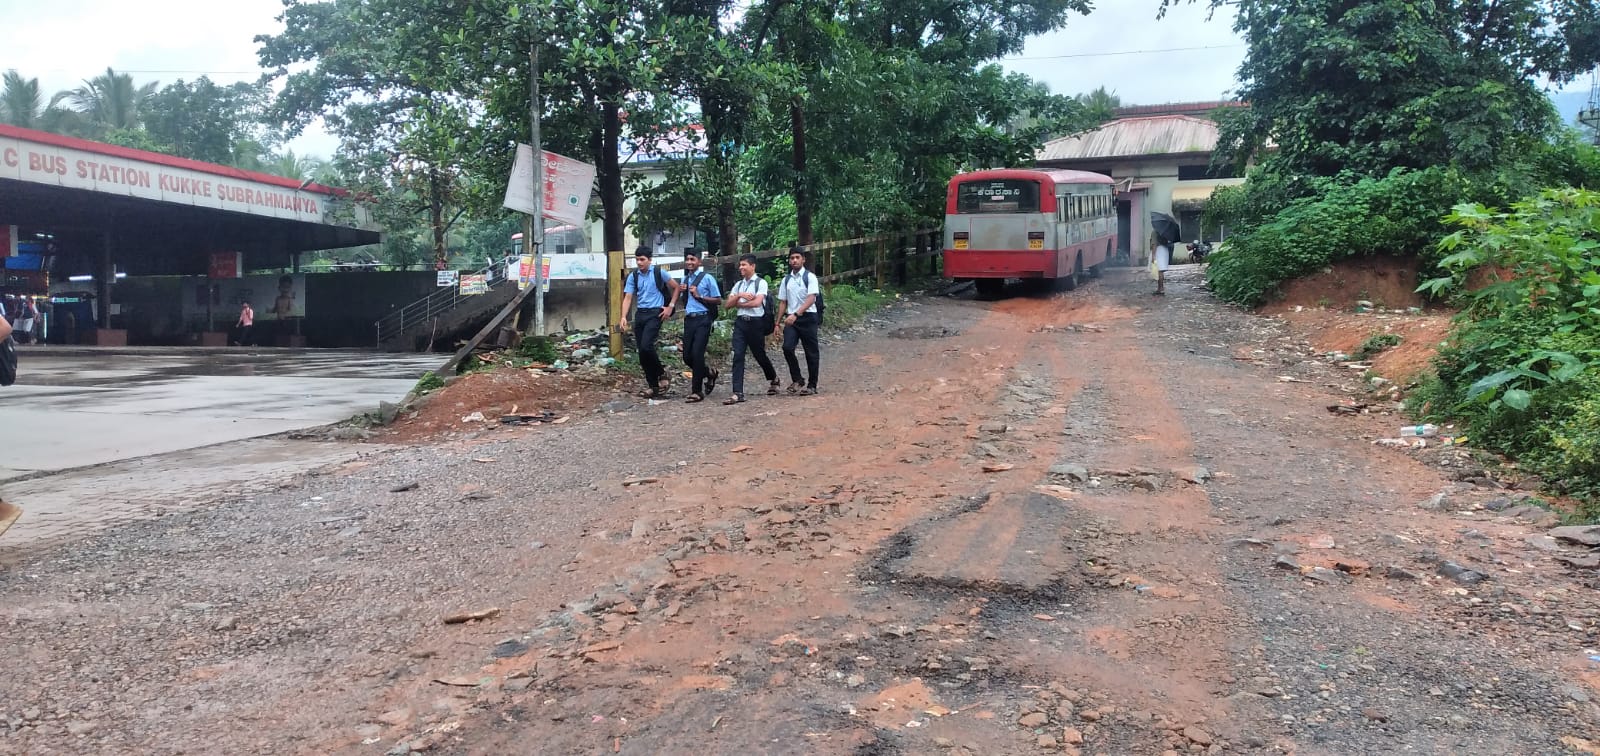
(1161, 156)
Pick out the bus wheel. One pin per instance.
(1095, 271)
(990, 288)
(1070, 282)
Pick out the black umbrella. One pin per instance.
(1166, 227)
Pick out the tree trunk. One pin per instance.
(802, 183)
(436, 217)
(610, 170)
(726, 187)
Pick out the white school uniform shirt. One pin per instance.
(796, 287)
(756, 285)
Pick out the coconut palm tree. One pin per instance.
(1101, 104)
(21, 102)
(290, 165)
(108, 102)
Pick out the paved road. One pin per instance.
(80, 407)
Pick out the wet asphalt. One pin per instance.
(75, 407)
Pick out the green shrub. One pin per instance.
(1399, 214)
(430, 381)
(538, 349)
(1522, 369)
(1374, 345)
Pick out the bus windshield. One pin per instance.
(999, 196)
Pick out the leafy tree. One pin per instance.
(207, 121)
(405, 130)
(887, 99)
(1370, 86)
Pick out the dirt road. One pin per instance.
(1095, 521)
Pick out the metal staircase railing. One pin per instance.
(429, 307)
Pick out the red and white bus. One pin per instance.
(1030, 224)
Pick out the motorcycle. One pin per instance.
(1198, 251)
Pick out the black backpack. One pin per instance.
(661, 284)
(769, 313)
(8, 361)
(805, 278)
(713, 309)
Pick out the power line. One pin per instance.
(1128, 52)
(206, 72)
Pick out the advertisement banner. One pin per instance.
(524, 271)
(273, 297)
(226, 265)
(568, 185)
(474, 283)
(447, 278)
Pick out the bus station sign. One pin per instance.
(73, 168)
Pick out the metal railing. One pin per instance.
(398, 322)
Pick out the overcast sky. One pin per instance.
(63, 42)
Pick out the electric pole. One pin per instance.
(537, 239)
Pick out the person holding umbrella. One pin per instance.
(1164, 233)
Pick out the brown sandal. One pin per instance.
(735, 399)
(692, 398)
(773, 389)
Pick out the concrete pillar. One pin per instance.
(1138, 229)
(105, 276)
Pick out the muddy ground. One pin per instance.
(1092, 521)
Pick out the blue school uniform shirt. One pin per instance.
(647, 297)
(707, 288)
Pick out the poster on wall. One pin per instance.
(447, 278)
(474, 283)
(226, 265)
(273, 297)
(525, 275)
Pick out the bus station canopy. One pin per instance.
(158, 214)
